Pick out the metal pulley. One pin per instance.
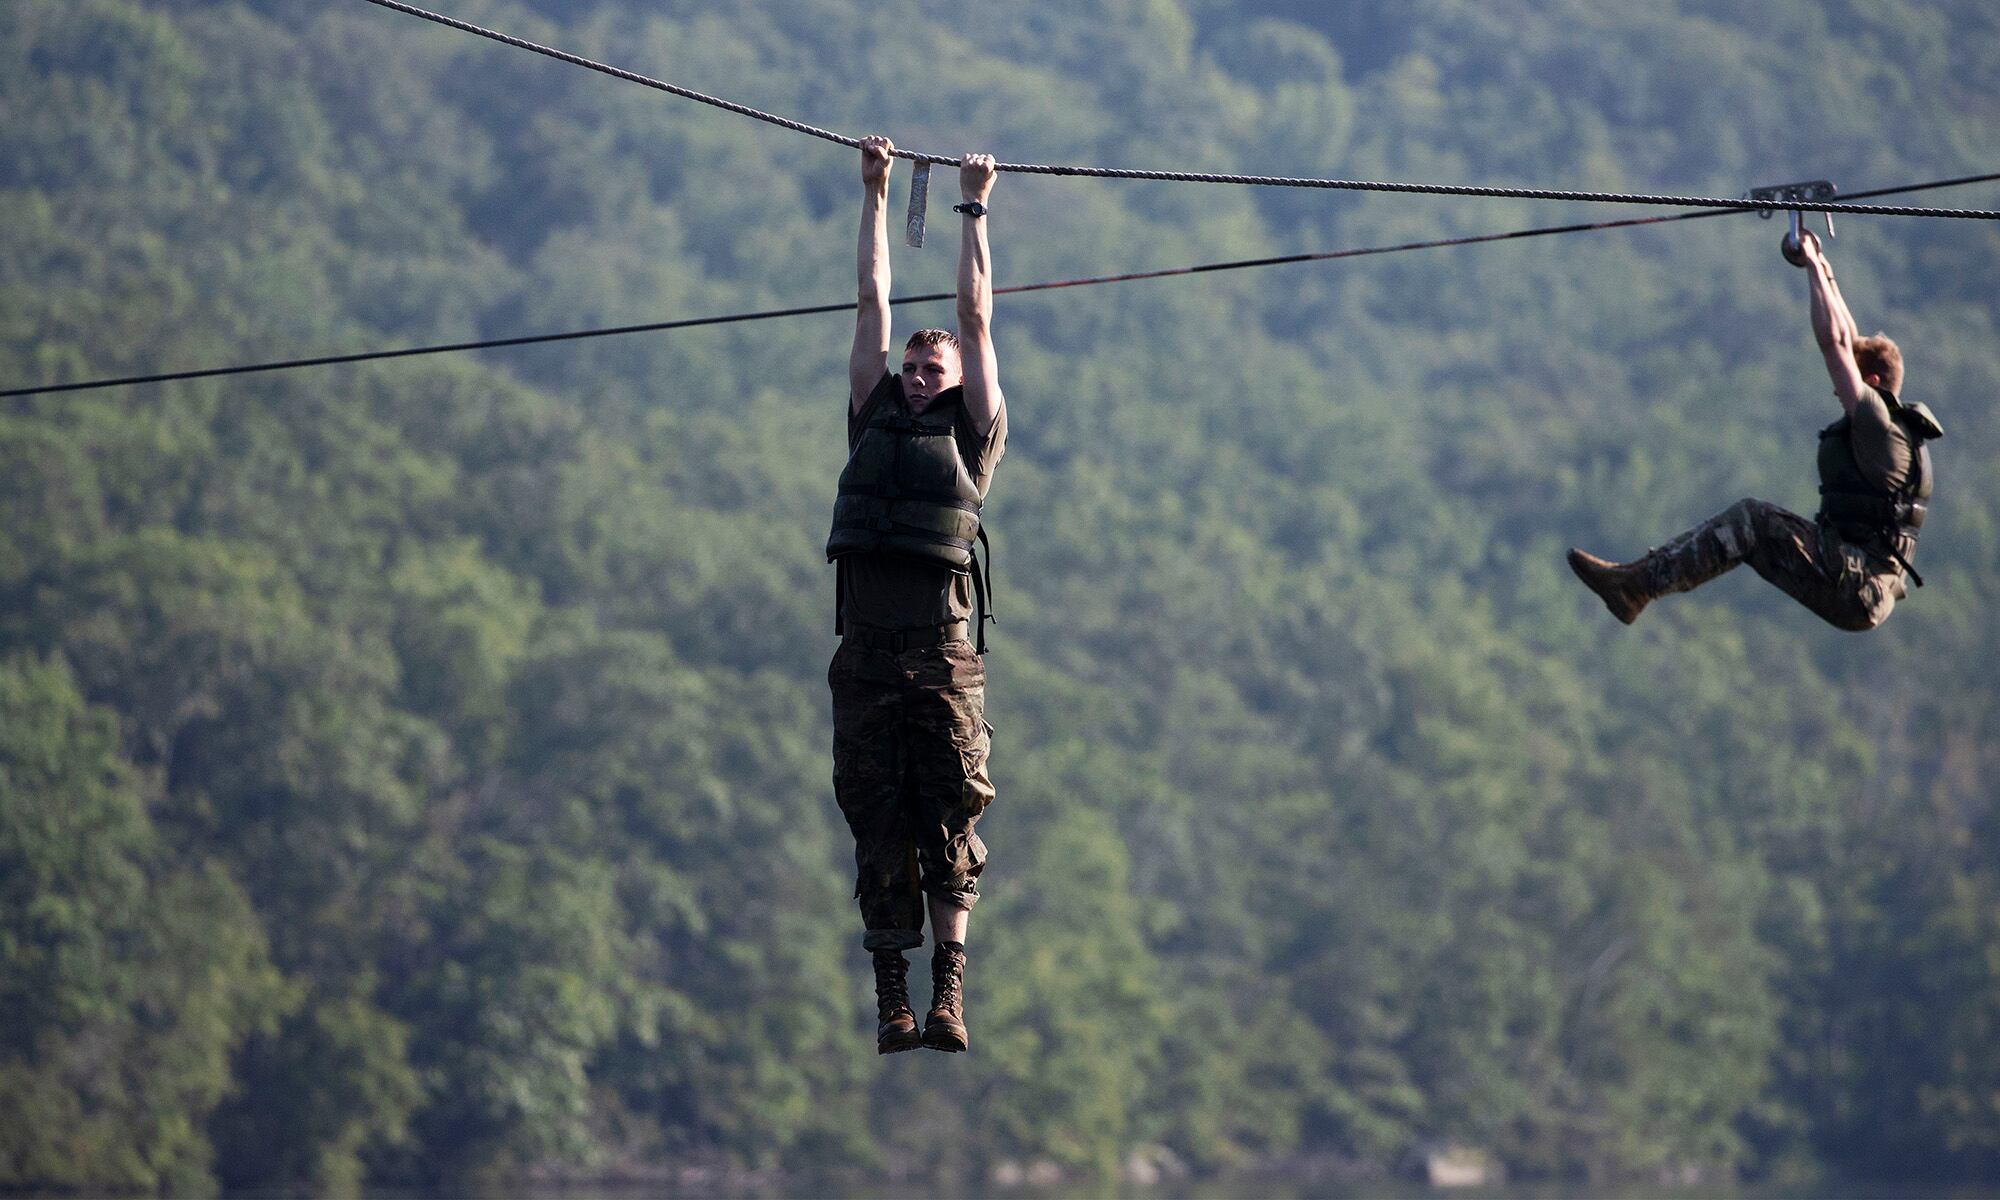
(1792, 246)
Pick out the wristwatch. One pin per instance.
(971, 208)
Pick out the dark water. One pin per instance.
(1249, 1186)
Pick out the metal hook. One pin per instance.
(1792, 246)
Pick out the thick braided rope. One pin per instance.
(619, 73)
(1354, 185)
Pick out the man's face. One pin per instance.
(928, 370)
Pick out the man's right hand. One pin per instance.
(875, 161)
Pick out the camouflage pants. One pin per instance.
(1848, 587)
(910, 741)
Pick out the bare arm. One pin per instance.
(1834, 329)
(983, 401)
(870, 356)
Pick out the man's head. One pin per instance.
(930, 365)
(1880, 361)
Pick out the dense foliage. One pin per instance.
(418, 770)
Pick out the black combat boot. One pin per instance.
(1622, 587)
(896, 1022)
(944, 1026)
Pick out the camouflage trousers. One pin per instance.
(1848, 587)
(910, 742)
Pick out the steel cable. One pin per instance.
(926, 298)
(1357, 185)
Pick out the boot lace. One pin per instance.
(947, 975)
(892, 985)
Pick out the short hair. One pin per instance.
(1877, 355)
(931, 337)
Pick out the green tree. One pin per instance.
(131, 972)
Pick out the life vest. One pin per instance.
(1864, 513)
(906, 491)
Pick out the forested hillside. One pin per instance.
(417, 772)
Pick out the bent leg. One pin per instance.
(1711, 548)
(1839, 583)
(1812, 565)
(1690, 560)
(1797, 556)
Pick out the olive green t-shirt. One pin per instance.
(889, 591)
(1881, 445)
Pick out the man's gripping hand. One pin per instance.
(975, 177)
(876, 152)
(1810, 247)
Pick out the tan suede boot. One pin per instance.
(1622, 587)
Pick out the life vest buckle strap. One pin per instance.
(913, 637)
(893, 492)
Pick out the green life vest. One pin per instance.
(906, 491)
(1864, 513)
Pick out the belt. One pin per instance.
(895, 641)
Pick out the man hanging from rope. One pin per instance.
(1852, 563)
(909, 689)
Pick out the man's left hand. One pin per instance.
(975, 177)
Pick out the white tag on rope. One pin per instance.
(920, 187)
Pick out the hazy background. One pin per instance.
(418, 772)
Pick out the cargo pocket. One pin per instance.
(1879, 593)
(976, 792)
(1865, 593)
(1854, 570)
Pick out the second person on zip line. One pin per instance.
(1851, 563)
